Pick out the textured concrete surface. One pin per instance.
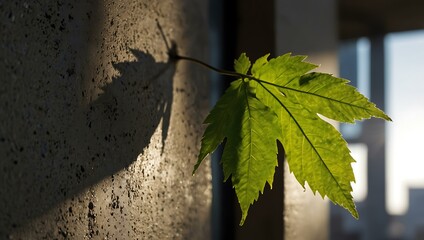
(98, 130)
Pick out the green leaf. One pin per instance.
(332, 97)
(251, 130)
(219, 120)
(250, 151)
(281, 101)
(315, 151)
(242, 64)
(281, 69)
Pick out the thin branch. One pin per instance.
(223, 72)
(177, 57)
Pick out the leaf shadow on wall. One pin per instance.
(93, 143)
(122, 120)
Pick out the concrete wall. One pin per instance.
(98, 130)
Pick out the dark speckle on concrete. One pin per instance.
(90, 206)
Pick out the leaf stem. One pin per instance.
(177, 57)
(220, 71)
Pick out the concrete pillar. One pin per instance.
(306, 27)
(376, 227)
(98, 130)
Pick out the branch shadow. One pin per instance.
(96, 142)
